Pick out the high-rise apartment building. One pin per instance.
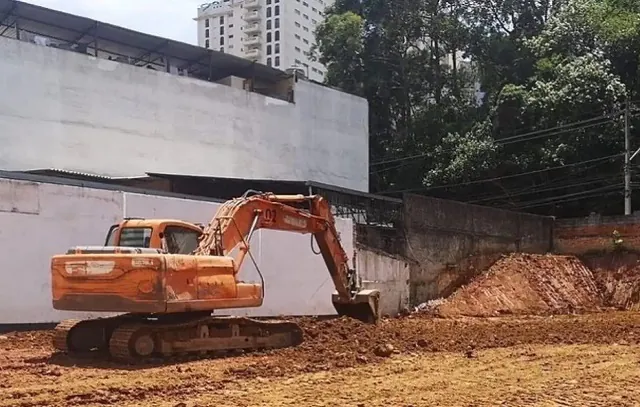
(277, 33)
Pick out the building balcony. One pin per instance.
(252, 53)
(253, 41)
(252, 16)
(252, 4)
(252, 28)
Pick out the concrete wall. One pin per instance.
(66, 110)
(592, 234)
(38, 220)
(453, 242)
(388, 274)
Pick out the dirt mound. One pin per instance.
(527, 284)
(618, 278)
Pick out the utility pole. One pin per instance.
(627, 161)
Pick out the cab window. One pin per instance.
(111, 236)
(135, 237)
(181, 240)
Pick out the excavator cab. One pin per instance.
(172, 236)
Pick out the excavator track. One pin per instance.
(134, 342)
(80, 336)
(139, 340)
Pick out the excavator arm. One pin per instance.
(234, 223)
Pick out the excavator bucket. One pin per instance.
(364, 307)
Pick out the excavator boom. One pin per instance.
(237, 219)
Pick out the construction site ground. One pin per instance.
(533, 330)
(586, 360)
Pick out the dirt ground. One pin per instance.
(585, 360)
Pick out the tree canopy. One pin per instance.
(511, 103)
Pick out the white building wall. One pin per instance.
(295, 23)
(36, 222)
(39, 220)
(65, 110)
(388, 274)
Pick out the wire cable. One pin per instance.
(481, 181)
(567, 126)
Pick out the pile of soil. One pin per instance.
(527, 284)
(617, 275)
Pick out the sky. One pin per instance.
(171, 19)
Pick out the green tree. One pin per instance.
(579, 76)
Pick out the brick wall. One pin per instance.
(595, 233)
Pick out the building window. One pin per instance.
(297, 24)
(297, 49)
(277, 48)
(268, 37)
(221, 40)
(306, 41)
(206, 23)
(268, 2)
(277, 35)
(206, 43)
(206, 33)
(277, 23)
(221, 19)
(269, 62)
(268, 12)
(268, 24)
(277, 11)
(277, 61)
(221, 30)
(268, 49)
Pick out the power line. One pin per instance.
(563, 127)
(515, 139)
(481, 181)
(395, 160)
(571, 197)
(567, 126)
(549, 183)
(530, 191)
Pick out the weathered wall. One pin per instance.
(61, 109)
(453, 241)
(386, 273)
(592, 234)
(38, 220)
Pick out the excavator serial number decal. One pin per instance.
(300, 223)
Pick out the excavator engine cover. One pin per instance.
(364, 307)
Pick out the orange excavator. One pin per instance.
(166, 278)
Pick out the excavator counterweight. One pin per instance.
(168, 277)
